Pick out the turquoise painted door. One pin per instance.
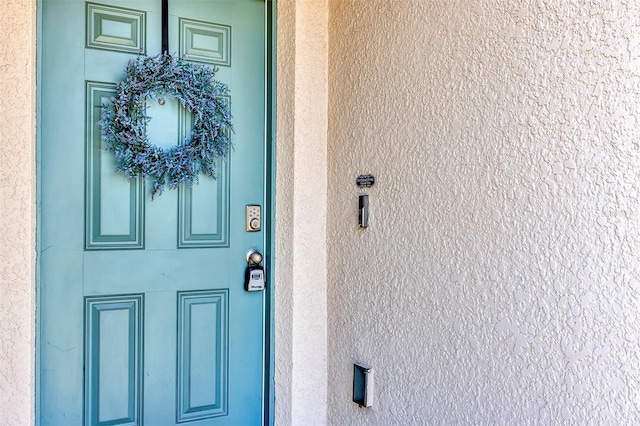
(143, 316)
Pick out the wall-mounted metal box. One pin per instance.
(362, 385)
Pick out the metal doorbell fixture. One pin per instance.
(363, 211)
(364, 181)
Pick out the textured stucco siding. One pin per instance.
(499, 281)
(285, 141)
(301, 204)
(17, 210)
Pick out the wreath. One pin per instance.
(124, 121)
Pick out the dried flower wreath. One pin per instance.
(124, 121)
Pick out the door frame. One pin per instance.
(269, 201)
(270, 206)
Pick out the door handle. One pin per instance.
(254, 257)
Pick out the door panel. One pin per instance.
(114, 206)
(113, 359)
(143, 314)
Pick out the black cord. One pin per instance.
(165, 27)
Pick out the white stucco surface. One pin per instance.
(283, 289)
(301, 204)
(17, 210)
(499, 280)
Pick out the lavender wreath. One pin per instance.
(124, 121)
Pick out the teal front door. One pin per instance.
(143, 317)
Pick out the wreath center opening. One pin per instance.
(168, 124)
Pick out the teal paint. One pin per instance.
(193, 217)
(96, 237)
(203, 344)
(38, 363)
(197, 206)
(106, 335)
(127, 33)
(74, 270)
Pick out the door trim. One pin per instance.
(38, 231)
(270, 207)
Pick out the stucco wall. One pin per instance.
(17, 210)
(301, 204)
(499, 281)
